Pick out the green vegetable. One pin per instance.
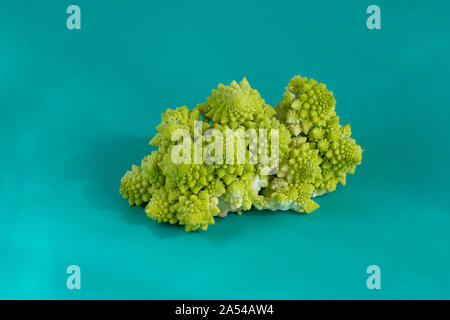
(314, 154)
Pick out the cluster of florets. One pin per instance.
(314, 154)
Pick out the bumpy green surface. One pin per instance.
(315, 154)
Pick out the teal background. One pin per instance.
(78, 108)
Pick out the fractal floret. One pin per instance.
(234, 152)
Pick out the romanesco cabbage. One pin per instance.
(313, 153)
